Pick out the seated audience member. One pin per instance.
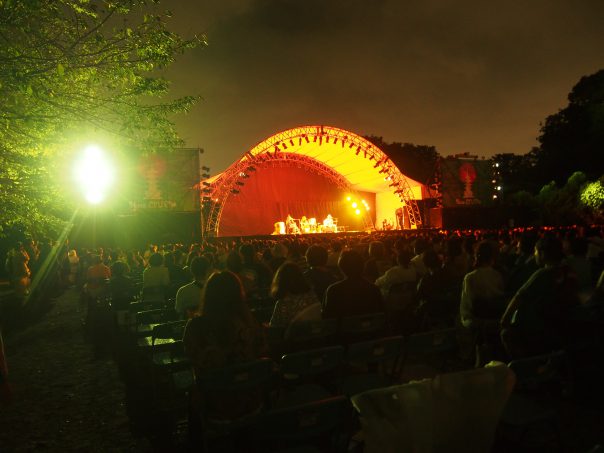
(156, 280)
(402, 273)
(318, 275)
(419, 247)
(188, 297)
(483, 289)
(294, 297)
(225, 334)
(121, 286)
(96, 277)
(353, 295)
(377, 264)
(437, 296)
(525, 264)
(457, 263)
(279, 256)
(536, 319)
(580, 265)
(334, 254)
(255, 272)
(156, 275)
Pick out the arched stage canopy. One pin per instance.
(310, 171)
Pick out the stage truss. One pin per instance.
(280, 150)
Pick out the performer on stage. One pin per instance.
(291, 225)
(399, 218)
(304, 225)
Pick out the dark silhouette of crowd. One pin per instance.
(509, 295)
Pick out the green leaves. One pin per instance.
(68, 67)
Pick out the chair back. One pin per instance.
(437, 341)
(240, 376)
(173, 330)
(533, 372)
(311, 330)
(369, 323)
(375, 351)
(326, 424)
(311, 363)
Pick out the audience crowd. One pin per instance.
(515, 293)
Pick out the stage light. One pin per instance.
(498, 187)
(205, 169)
(207, 190)
(357, 212)
(205, 183)
(314, 140)
(377, 164)
(358, 150)
(240, 183)
(250, 168)
(306, 138)
(205, 175)
(347, 198)
(284, 145)
(234, 191)
(291, 142)
(351, 145)
(354, 204)
(94, 173)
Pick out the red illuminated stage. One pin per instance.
(308, 173)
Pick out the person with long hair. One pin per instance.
(294, 296)
(224, 334)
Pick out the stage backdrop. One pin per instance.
(163, 183)
(271, 193)
(466, 182)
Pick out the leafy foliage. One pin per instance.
(70, 68)
(573, 139)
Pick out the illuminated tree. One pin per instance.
(70, 68)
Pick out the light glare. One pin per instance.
(94, 174)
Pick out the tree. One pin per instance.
(416, 161)
(70, 68)
(573, 139)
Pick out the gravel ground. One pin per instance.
(65, 399)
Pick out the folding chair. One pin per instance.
(323, 425)
(377, 362)
(242, 390)
(310, 375)
(362, 327)
(305, 335)
(425, 347)
(543, 383)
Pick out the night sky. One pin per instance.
(469, 76)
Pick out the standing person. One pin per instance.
(188, 297)
(17, 264)
(96, 276)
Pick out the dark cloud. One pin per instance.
(463, 76)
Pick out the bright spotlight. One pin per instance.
(94, 173)
(347, 198)
(357, 212)
(354, 204)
